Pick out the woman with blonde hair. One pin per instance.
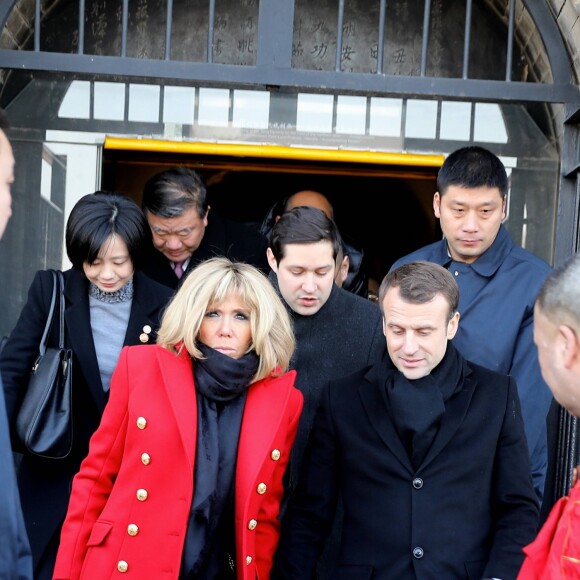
(184, 476)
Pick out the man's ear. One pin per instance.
(571, 346)
(271, 260)
(453, 326)
(343, 270)
(437, 204)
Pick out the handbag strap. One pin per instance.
(61, 318)
(44, 339)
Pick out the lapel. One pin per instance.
(144, 311)
(263, 414)
(79, 333)
(455, 411)
(177, 377)
(374, 400)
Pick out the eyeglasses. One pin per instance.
(182, 233)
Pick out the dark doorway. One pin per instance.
(386, 210)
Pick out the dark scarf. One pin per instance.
(221, 383)
(417, 406)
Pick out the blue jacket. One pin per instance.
(496, 302)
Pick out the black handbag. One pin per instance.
(44, 421)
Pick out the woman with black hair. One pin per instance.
(108, 304)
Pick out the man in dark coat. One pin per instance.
(429, 456)
(337, 332)
(184, 233)
(15, 556)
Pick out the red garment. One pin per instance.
(130, 501)
(555, 553)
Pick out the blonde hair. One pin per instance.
(210, 283)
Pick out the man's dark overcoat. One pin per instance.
(464, 513)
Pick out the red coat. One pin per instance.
(130, 500)
(555, 553)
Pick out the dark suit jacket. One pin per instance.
(466, 512)
(222, 237)
(45, 484)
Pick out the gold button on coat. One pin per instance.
(145, 458)
(261, 489)
(252, 524)
(276, 454)
(141, 494)
(141, 422)
(248, 559)
(132, 529)
(122, 566)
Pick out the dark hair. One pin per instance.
(97, 216)
(4, 122)
(419, 282)
(472, 167)
(169, 193)
(304, 225)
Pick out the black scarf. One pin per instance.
(417, 406)
(221, 383)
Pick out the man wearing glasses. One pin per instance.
(184, 234)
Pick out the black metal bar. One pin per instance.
(168, 29)
(472, 121)
(425, 45)
(381, 42)
(510, 40)
(339, 26)
(291, 79)
(5, 9)
(560, 62)
(127, 101)
(124, 27)
(274, 43)
(82, 9)
(37, 26)
(467, 39)
(368, 117)
(210, 31)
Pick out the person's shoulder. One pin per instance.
(143, 282)
(280, 380)
(364, 377)
(490, 379)
(354, 306)
(529, 261)
(236, 227)
(150, 354)
(282, 386)
(424, 253)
